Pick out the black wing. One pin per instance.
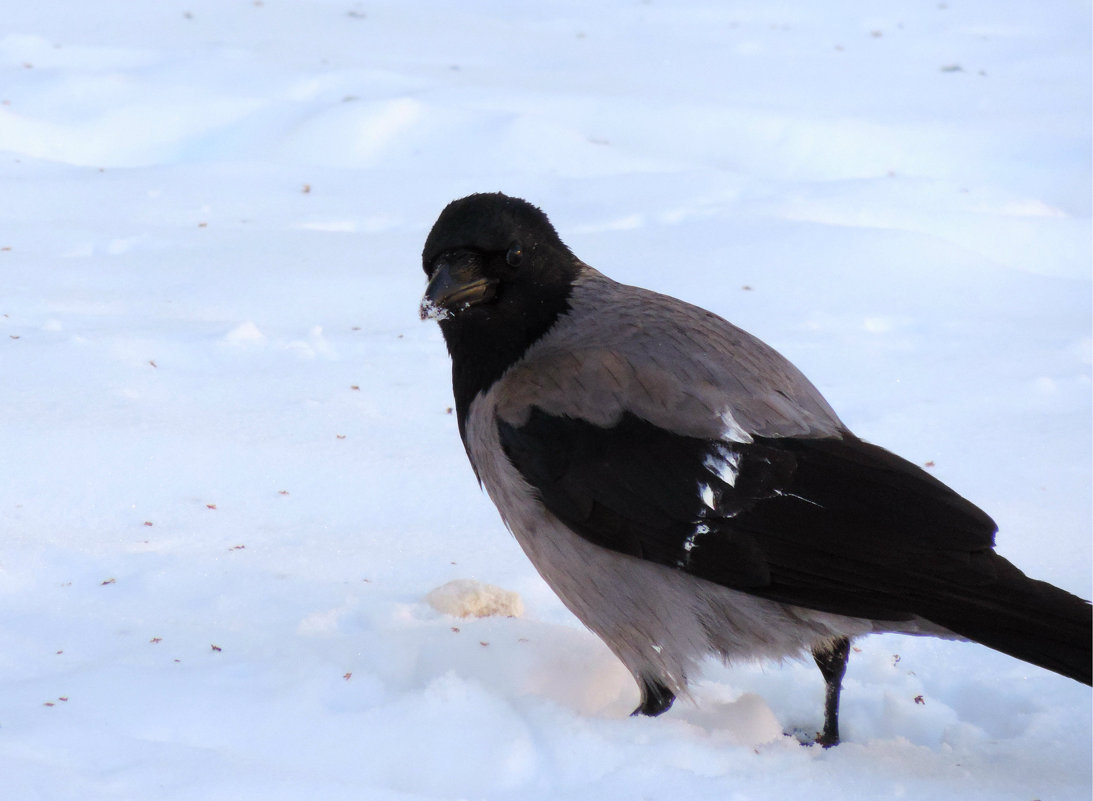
(834, 524)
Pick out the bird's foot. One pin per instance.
(655, 698)
(811, 738)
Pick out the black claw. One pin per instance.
(831, 659)
(655, 698)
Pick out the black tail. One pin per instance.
(1029, 619)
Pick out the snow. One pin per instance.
(470, 598)
(230, 474)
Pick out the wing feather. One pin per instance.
(830, 523)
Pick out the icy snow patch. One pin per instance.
(244, 335)
(470, 598)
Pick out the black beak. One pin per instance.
(454, 287)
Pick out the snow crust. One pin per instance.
(229, 471)
(470, 598)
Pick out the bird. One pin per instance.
(687, 492)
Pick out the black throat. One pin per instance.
(485, 341)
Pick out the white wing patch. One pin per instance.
(706, 492)
(732, 431)
(724, 463)
(692, 540)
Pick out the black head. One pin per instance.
(494, 249)
(499, 277)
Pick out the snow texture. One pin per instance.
(470, 598)
(230, 473)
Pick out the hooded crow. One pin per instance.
(686, 491)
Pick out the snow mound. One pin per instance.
(470, 598)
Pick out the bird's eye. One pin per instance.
(515, 254)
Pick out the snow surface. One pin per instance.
(229, 471)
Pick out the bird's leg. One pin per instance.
(831, 658)
(655, 698)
